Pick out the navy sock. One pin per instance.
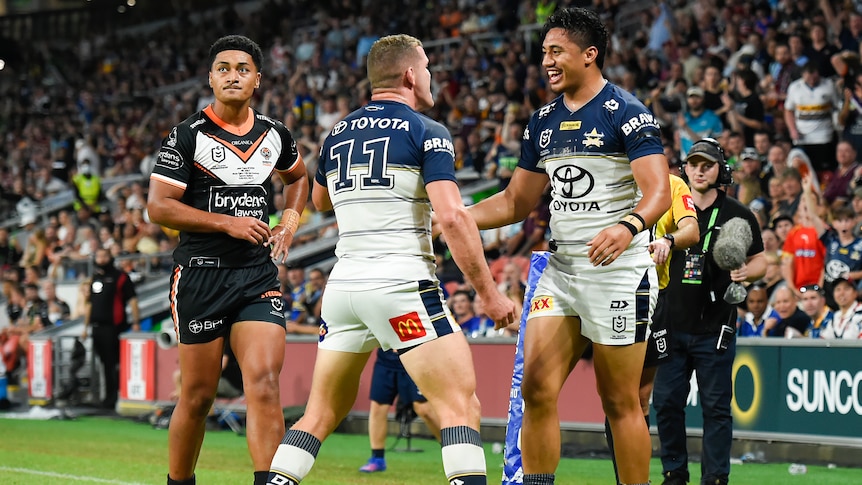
(381, 453)
(260, 477)
(189, 481)
(538, 479)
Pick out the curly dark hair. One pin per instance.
(584, 28)
(238, 43)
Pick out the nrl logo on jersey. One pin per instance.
(545, 138)
(218, 154)
(611, 105)
(593, 139)
(544, 110)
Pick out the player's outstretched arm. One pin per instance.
(512, 204)
(165, 208)
(462, 237)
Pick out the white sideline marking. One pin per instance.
(65, 476)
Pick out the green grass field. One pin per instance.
(122, 452)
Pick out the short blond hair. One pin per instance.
(389, 58)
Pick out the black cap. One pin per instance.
(838, 281)
(704, 151)
(780, 217)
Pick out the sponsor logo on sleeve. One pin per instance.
(544, 110)
(408, 326)
(637, 123)
(169, 158)
(688, 202)
(439, 145)
(172, 138)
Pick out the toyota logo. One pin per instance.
(572, 182)
(196, 326)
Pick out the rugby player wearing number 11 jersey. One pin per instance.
(381, 169)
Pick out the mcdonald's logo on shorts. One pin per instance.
(408, 326)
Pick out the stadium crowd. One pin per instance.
(779, 84)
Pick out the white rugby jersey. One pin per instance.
(224, 170)
(375, 164)
(586, 154)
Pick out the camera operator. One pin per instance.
(702, 336)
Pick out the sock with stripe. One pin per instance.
(463, 456)
(538, 479)
(294, 458)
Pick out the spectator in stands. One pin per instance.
(803, 254)
(88, 188)
(837, 191)
(776, 164)
(461, 303)
(786, 318)
(843, 258)
(808, 110)
(36, 313)
(847, 319)
(791, 190)
(751, 323)
(850, 116)
(814, 305)
(782, 72)
(781, 225)
(747, 115)
(694, 123)
(749, 177)
(531, 236)
(305, 313)
(47, 184)
(502, 158)
(58, 310)
(10, 252)
(35, 250)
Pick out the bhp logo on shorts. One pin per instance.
(541, 303)
(408, 326)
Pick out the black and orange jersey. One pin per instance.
(224, 170)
